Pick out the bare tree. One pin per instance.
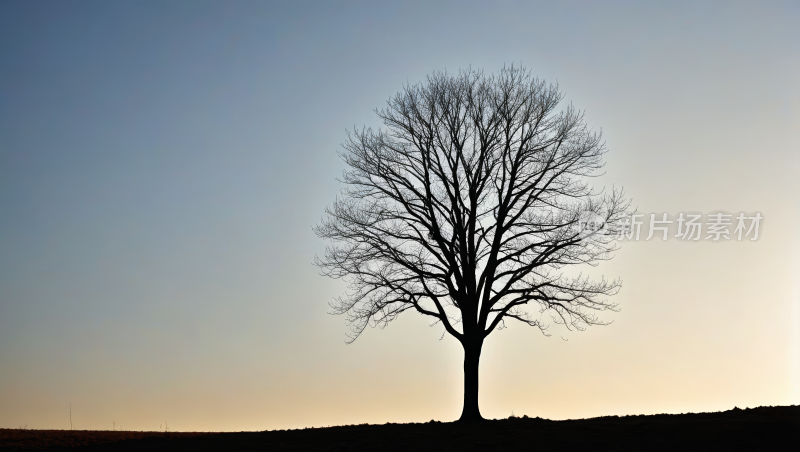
(467, 208)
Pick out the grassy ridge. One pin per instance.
(737, 429)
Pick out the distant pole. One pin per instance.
(70, 416)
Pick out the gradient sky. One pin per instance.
(162, 163)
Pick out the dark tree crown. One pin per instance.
(464, 208)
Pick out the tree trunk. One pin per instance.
(472, 356)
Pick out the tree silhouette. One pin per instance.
(468, 208)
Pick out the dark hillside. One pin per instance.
(748, 429)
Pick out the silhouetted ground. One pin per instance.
(763, 428)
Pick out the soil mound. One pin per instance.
(737, 429)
